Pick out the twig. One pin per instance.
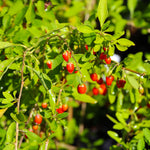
(18, 103)
(46, 144)
(60, 91)
(30, 116)
(141, 74)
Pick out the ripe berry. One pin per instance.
(44, 105)
(76, 71)
(60, 110)
(100, 81)
(38, 119)
(109, 80)
(105, 48)
(120, 83)
(64, 107)
(66, 55)
(49, 64)
(82, 88)
(94, 76)
(35, 127)
(86, 47)
(70, 67)
(108, 60)
(102, 56)
(95, 91)
(102, 89)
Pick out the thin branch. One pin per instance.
(46, 144)
(19, 98)
(141, 74)
(30, 116)
(60, 91)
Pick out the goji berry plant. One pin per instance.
(54, 59)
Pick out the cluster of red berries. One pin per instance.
(104, 56)
(62, 108)
(82, 87)
(102, 89)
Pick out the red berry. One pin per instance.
(94, 76)
(86, 47)
(102, 89)
(66, 55)
(102, 56)
(38, 119)
(120, 83)
(105, 48)
(82, 88)
(44, 105)
(64, 107)
(49, 64)
(95, 91)
(109, 80)
(35, 127)
(100, 81)
(70, 67)
(108, 60)
(60, 110)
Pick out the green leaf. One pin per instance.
(46, 81)
(125, 42)
(4, 65)
(133, 82)
(4, 45)
(10, 147)
(11, 132)
(18, 117)
(63, 115)
(105, 25)
(2, 111)
(53, 125)
(20, 16)
(30, 15)
(57, 61)
(132, 98)
(114, 136)
(118, 126)
(6, 21)
(141, 144)
(111, 50)
(102, 11)
(83, 97)
(32, 136)
(120, 118)
(131, 6)
(52, 100)
(146, 132)
(121, 48)
(8, 96)
(119, 101)
(112, 119)
(85, 29)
